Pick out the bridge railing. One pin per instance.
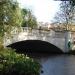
(36, 31)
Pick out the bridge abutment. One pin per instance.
(68, 39)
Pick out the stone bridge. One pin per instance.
(58, 38)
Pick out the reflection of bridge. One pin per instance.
(57, 38)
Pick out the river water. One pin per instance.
(57, 64)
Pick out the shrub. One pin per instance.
(12, 63)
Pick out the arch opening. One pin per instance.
(35, 46)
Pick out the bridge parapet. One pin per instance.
(26, 33)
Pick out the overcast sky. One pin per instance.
(44, 10)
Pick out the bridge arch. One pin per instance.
(57, 38)
(35, 46)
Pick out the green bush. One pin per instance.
(12, 63)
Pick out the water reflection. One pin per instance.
(58, 65)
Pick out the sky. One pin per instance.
(43, 10)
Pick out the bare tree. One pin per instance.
(66, 14)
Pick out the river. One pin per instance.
(57, 64)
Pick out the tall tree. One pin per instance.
(66, 14)
(29, 19)
(25, 17)
(10, 14)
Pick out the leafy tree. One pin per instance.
(25, 17)
(28, 19)
(10, 14)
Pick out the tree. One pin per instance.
(29, 19)
(10, 14)
(25, 17)
(66, 14)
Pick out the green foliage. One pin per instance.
(28, 19)
(10, 15)
(12, 63)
